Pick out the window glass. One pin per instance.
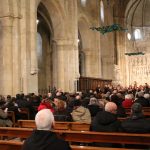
(102, 10)
(137, 34)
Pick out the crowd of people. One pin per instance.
(100, 108)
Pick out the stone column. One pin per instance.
(28, 46)
(66, 55)
(33, 78)
(17, 87)
(66, 69)
(6, 53)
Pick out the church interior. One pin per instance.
(50, 43)
(74, 74)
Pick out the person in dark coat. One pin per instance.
(120, 110)
(106, 121)
(144, 102)
(43, 138)
(137, 123)
(94, 107)
(61, 114)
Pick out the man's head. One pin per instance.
(111, 107)
(44, 119)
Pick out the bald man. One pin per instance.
(106, 121)
(43, 138)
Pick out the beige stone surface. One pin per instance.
(25, 67)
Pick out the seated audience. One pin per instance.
(120, 110)
(94, 107)
(144, 102)
(147, 97)
(128, 101)
(61, 114)
(4, 121)
(107, 120)
(13, 106)
(137, 123)
(43, 138)
(45, 104)
(80, 113)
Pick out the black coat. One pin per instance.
(45, 140)
(106, 122)
(144, 102)
(62, 116)
(94, 109)
(137, 125)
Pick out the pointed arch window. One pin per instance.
(137, 34)
(102, 11)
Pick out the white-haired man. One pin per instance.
(43, 138)
(107, 120)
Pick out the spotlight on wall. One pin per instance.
(37, 21)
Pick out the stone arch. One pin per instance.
(57, 16)
(55, 20)
(83, 27)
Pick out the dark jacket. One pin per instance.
(94, 109)
(144, 102)
(62, 116)
(45, 140)
(136, 125)
(106, 122)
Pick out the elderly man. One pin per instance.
(106, 121)
(43, 138)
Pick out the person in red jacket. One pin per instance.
(128, 101)
(45, 104)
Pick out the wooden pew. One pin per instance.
(77, 126)
(145, 109)
(15, 145)
(83, 136)
(11, 116)
(10, 145)
(146, 114)
(25, 111)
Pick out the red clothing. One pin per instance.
(45, 105)
(127, 103)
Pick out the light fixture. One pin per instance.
(102, 10)
(129, 36)
(37, 21)
(83, 3)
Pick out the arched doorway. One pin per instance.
(44, 49)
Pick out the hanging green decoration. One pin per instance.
(134, 53)
(111, 28)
